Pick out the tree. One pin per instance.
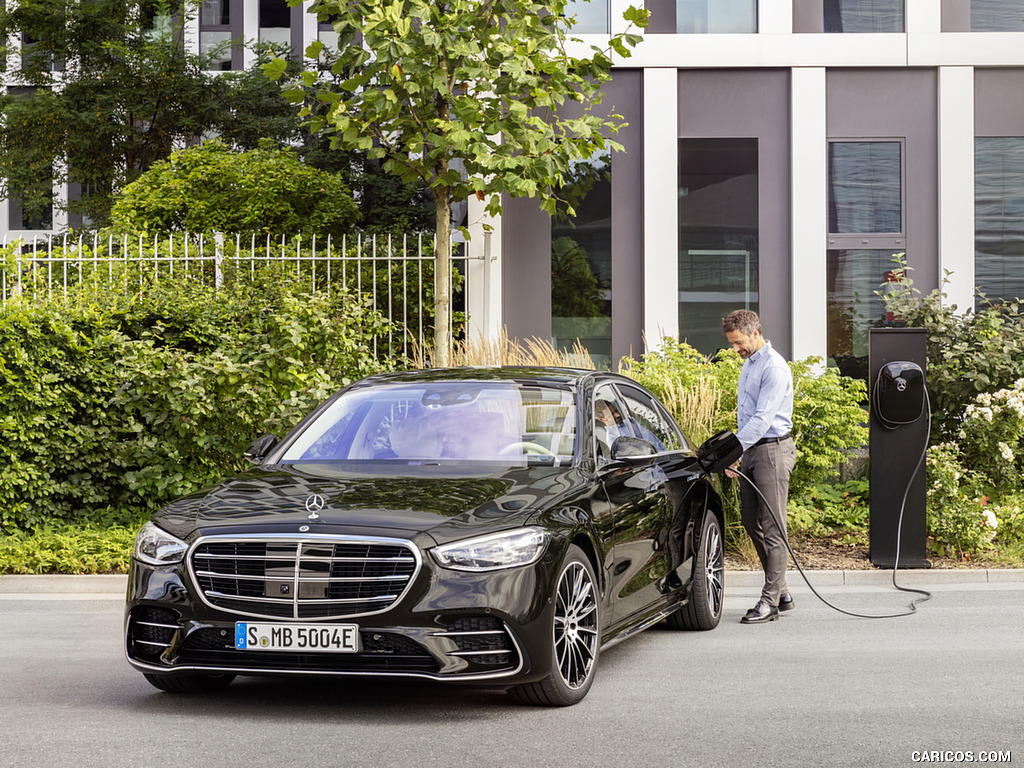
(113, 90)
(210, 188)
(464, 96)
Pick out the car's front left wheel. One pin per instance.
(575, 638)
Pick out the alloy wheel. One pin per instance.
(576, 625)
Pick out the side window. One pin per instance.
(650, 422)
(610, 420)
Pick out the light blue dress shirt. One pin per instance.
(765, 397)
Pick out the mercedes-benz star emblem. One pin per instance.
(314, 503)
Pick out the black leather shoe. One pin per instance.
(760, 613)
(786, 602)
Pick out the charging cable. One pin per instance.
(925, 595)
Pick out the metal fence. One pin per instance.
(394, 273)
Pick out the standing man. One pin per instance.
(764, 412)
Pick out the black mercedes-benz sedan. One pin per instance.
(496, 525)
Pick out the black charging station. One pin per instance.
(899, 431)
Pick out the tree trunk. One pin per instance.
(442, 278)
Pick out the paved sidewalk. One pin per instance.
(118, 583)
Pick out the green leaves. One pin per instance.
(157, 394)
(209, 188)
(969, 352)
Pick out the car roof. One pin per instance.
(545, 374)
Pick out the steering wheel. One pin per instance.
(530, 449)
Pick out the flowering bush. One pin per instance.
(992, 434)
(958, 518)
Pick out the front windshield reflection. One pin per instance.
(503, 422)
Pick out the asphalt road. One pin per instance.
(814, 689)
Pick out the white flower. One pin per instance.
(990, 519)
(1006, 452)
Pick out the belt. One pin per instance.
(770, 440)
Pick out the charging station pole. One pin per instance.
(895, 452)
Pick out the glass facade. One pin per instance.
(718, 236)
(591, 16)
(865, 224)
(215, 32)
(581, 263)
(863, 15)
(865, 187)
(275, 22)
(853, 306)
(716, 17)
(999, 216)
(997, 16)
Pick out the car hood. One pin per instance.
(376, 499)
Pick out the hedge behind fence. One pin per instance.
(113, 404)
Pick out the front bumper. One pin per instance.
(449, 626)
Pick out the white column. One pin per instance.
(775, 17)
(956, 183)
(250, 31)
(483, 276)
(924, 17)
(661, 206)
(809, 224)
(310, 27)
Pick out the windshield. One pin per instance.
(435, 422)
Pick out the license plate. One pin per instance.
(334, 638)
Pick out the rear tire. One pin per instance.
(575, 638)
(189, 683)
(703, 611)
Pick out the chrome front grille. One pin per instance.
(303, 577)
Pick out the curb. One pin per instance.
(59, 584)
(883, 577)
(112, 584)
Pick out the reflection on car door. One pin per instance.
(640, 515)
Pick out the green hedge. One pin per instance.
(113, 403)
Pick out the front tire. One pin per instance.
(703, 611)
(575, 638)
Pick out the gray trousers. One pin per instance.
(769, 467)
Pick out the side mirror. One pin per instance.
(720, 451)
(631, 449)
(259, 448)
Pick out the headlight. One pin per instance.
(491, 553)
(156, 546)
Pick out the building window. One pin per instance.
(997, 16)
(275, 22)
(865, 224)
(591, 16)
(999, 217)
(863, 15)
(215, 32)
(716, 17)
(718, 236)
(581, 263)
(864, 187)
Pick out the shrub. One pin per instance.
(992, 435)
(957, 518)
(67, 549)
(824, 509)
(212, 188)
(828, 420)
(967, 352)
(115, 402)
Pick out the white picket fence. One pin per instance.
(393, 270)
